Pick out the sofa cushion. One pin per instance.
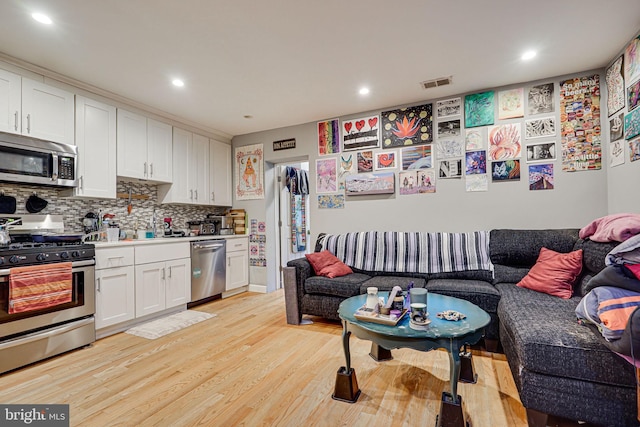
(386, 283)
(508, 274)
(325, 263)
(343, 286)
(594, 254)
(520, 248)
(481, 293)
(549, 340)
(486, 275)
(554, 273)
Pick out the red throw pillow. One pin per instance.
(554, 273)
(326, 264)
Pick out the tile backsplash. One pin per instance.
(74, 209)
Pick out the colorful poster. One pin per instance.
(365, 161)
(539, 128)
(580, 123)
(476, 162)
(426, 181)
(479, 109)
(634, 150)
(540, 99)
(416, 182)
(449, 108)
(331, 201)
(328, 137)
(632, 124)
(511, 103)
(474, 139)
(371, 183)
(633, 95)
(347, 166)
(616, 153)
(450, 169)
(505, 170)
(615, 86)
(448, 148)
(505, 141)
(326, 175)
(386, 160)
(541, 177)
(632, 60)
(249, 172)
(543, 151)
(361, 133)
(418, 157)
(407, 126)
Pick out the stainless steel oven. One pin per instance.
(36, 334)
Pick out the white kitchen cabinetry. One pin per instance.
(144, 148)
(162, 277)
(96, 141)
(35, 109)
(219, 173)
(237, 263)
(115, 286)
(191, 170)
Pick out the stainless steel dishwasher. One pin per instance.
(208, 270)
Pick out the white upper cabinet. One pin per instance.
(144, 148)
(190, 170)
(32, 108)
(219, 173)
(96, 141)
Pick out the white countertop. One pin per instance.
(165, 240)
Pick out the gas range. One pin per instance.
(34, 253)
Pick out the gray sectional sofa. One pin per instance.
(560, 367)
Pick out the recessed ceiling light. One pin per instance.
(530, 54)
(177, 82)
(364, 91)
(42, 18)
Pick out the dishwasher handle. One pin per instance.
(208, 246)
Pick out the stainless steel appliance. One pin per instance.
(35, 161)
(36, 334)
(208, 270)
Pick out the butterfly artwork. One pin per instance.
(347, 166)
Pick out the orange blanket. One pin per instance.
(39, 286)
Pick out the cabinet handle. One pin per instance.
(116, 257)
(228, 262)
(196, 194)
(81, 182)
(151, 169)
(213, 196)
(169, 272)
(145, 168)
(28, 123)
(98, 282)
(163, 274)
(191, 194)
(15, 121)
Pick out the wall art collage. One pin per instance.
(623, 91)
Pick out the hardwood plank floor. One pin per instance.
(247, 367)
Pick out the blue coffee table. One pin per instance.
(449, 335)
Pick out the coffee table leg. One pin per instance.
(346, 388)
(467, 375)
(451, 414)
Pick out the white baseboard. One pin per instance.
(258, 288)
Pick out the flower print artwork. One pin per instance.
(407, 126)
(504, 142)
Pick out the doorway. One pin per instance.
(293, 216)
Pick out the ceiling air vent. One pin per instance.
(441, 81)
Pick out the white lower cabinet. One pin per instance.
(162, 285)
(115, 296)
(237, 263)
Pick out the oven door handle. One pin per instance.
(75, 264)
(46, 334)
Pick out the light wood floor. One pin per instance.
(247, 367)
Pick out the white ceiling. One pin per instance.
(287, 62)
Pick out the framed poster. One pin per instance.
(615, 86)
(365, 161)
(449, 108)
(632, 60)
(616, 127)
(361, 133)
(450, 168)
(632, 124)
(505, 141)
(539, 128)
(633, 95)
(249, 172)
(385, 160)
(418, 157)
(326, 175)
(505, 170)
(511, 103)
(407, 126)
(328, 137)
(543, 151)
(370, 183)
(479, 109)
(476, 162)
(541, 177)
(449, 129)
(540, 99)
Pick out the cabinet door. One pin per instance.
(115, 296)
(150, 288)
(199, 163)
(132, 145)
(178, 282)
(220, 173)
(96, 141)
(159, 151)
(10, 102)
(180, 191)
(237, 269)
(47, 112)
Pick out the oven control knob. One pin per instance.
(75, 254)
(40, 257)
(14, 259)
(64, 255)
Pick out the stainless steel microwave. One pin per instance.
(35, 161)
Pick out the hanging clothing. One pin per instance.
(296, 180)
